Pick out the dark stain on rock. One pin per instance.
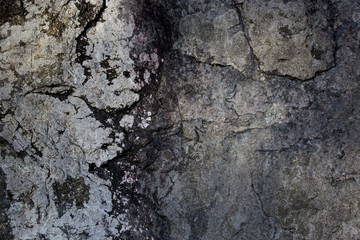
(126, 74)
(5, 199)
(312, 8)
(317, 53)
(286, 1)
(89, 19)
(285, 32)
(56, 26)
(72, 191)
(26, 199)
(142, 146)
(87, 11)
(42, 237)
(198, 223)
(105, 63)
(111, 74)
(12, 11)
(81, 45)
(152, 21)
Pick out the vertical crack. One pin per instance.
(81, 41)
(242, 24)
(333, 16)
(131, 170)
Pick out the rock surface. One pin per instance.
(179, 119)
(292, 38)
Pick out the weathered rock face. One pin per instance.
(292, 38)
(213, 35)
(72, 72)
(179, 119)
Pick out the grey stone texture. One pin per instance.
(291, 38)
(179, 119)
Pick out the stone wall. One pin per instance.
(179, 119)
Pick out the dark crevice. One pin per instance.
(333, 18)
(197, 61)
(219, 65)
(22, 4)
(114, 115)
(67, 3)
(289, 77)
(82, 42)
(62, 96)
(5, 203)
(37, 151)
(238, 232)
(142, 146)
(92, 23)
(247, 38)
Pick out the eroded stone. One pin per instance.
(291, 38)
(214, 37)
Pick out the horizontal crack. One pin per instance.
(62, 92)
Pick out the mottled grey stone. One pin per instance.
(179, 119)
(5, 200)
(215, 36)
(292, 38)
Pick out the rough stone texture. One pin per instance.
(179, 119)
(67, 80)
(292, 38)
(214, 35)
